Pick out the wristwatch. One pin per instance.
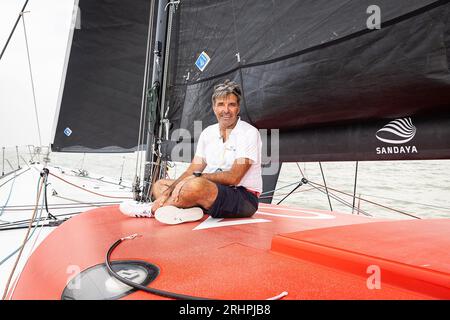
(197, 174)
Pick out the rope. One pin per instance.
(98, 194)
(162, 293)
(26, 238)
(41, 227)
(15, 251)
(31, 77)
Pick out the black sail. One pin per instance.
(102, 95)
(334, 88)
(315, 71)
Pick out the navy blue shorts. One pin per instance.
(233, 202)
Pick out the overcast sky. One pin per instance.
(47, 24)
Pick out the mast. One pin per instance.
(158, 130)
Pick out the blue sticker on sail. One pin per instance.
(67, 131)
(202, 61)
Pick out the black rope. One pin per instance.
(13, 29)
(49, 215)
(293, 190)
(137, 286)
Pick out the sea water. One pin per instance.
(419, 188)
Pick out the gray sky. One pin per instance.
(47, 24)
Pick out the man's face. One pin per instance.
(226, 109)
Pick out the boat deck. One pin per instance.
(311, 254)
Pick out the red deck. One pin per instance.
(310, 254)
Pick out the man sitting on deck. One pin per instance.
(224, 178)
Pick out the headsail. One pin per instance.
(101, 102)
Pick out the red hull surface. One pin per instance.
(311, 254)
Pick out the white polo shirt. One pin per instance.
(244, 142)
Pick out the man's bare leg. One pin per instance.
(160, 186)
(198, 192)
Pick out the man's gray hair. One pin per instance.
(226, 88)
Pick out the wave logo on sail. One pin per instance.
(399, 131)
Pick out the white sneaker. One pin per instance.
(136, 209)
(174, 215)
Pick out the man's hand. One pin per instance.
(160, 201)
(179, 186)
(233, 176)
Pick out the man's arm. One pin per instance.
(197, 164)
(232, 177)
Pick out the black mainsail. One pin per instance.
(312, 69)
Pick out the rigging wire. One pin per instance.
(293, 190)
(359, 198)
(371, 202)
(28, 220)
(3, 161)
(325, 183)
(354, 190)
(9, 196)
(41, 183)
(300, 169)
(55, 206)
(16, 175)
(338, 199)
(21, 224)
(412, 202)
(144, 94)
(13, 29)
(284, 187)
(98, 194)
(283, 194)
(31, 78)
(41, 227)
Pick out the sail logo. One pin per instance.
(67, 131)
(202, 61)
(397, 132)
